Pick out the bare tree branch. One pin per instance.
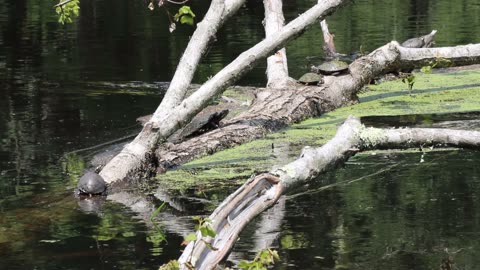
(277, 67)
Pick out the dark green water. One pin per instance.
(48, 108)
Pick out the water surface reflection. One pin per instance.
(47, 109)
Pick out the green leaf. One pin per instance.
(204, 231)
(210, 231)
(191, 237)
(186, 20)
(184, 15)
(275, 255)
(185, 10)
(243, 265)
(171, 265)
(426, 69)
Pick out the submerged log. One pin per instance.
(352, 137)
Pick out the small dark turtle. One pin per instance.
(311, 79)
(333, 67)
(91, 184)
(425, 41)
(200, 124)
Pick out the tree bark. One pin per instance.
(351, 138)
(161, 125)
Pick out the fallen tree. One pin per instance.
(264, 190)
(272, 109)
(281, 104)
(175, 112)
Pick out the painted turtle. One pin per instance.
(91, 184)
(202, 123)
(425, 41)
(311, 79)
(333, 67)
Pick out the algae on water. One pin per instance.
(433, 93)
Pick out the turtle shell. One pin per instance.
(414, 43)
(331, 67)
(310, 78)
(91, 183)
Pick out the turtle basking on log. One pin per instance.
(311, 79)
(334, 67)
(205, 121)
(425, 41)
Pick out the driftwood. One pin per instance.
(352, 137)
(252, 198)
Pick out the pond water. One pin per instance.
(53, 102)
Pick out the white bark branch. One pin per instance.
(328, 43)
(353, 137)
(392, 56)
(217, 14)
(277, 67)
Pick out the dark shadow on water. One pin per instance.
(423, 120)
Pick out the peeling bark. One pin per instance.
(252, 198)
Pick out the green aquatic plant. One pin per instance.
(156, 212)
(263, 259)
(205, 227)
(409, 80)
(171, 265)
(159, 235)
(439, 61)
